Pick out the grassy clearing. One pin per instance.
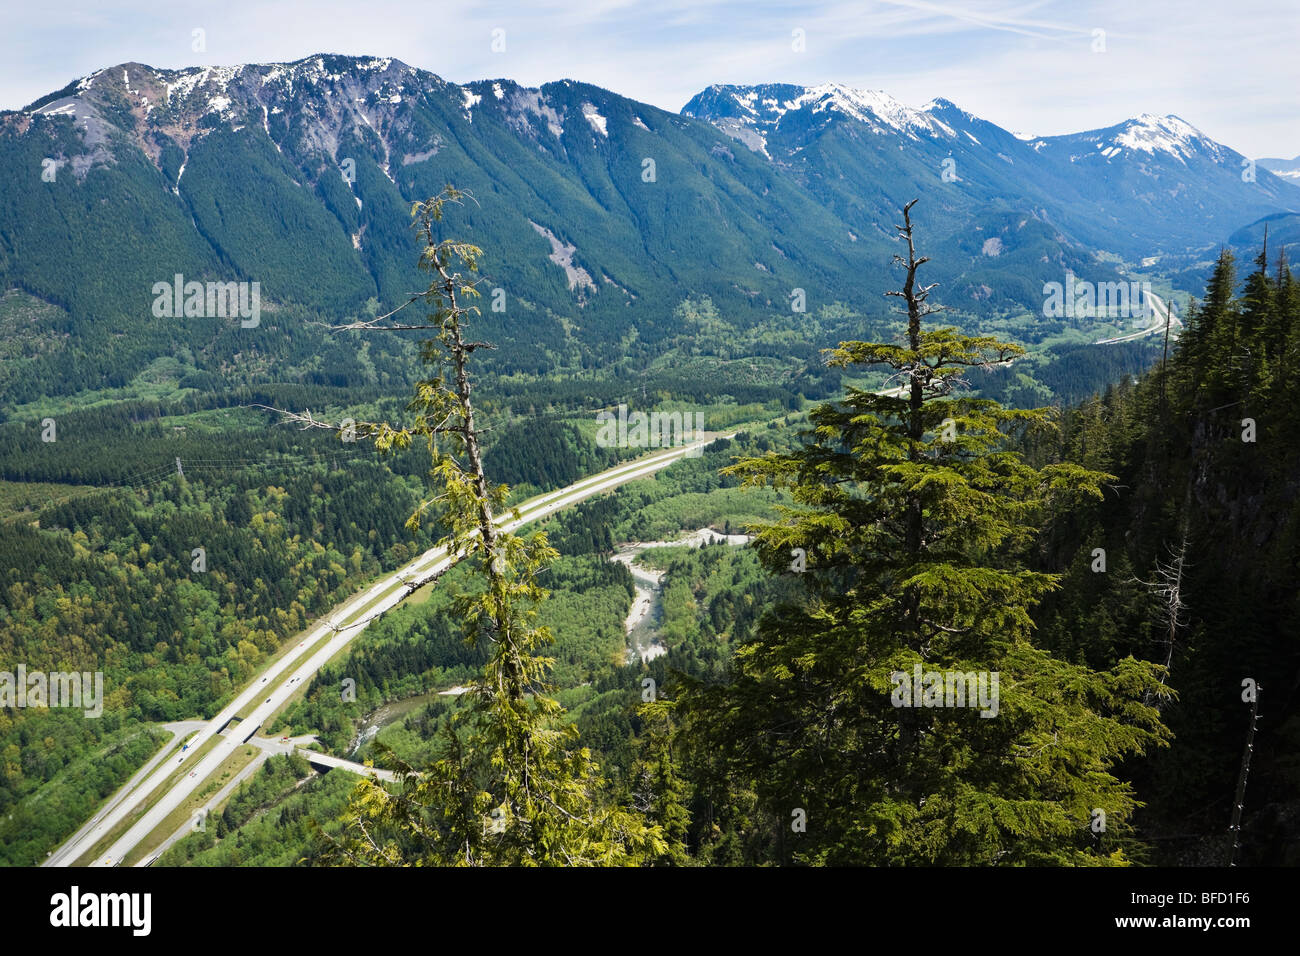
(23, 498)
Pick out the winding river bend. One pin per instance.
(642, 627)
(642, 624)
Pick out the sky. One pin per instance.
(1040, 67)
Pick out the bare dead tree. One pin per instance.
(1164, 358)
(1167, 586)
(929, 364)
(919, 375)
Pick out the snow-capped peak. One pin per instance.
(875, 108)
(1149, 133)
(761, 107)
(946, 106)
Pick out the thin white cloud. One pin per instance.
(998, 17)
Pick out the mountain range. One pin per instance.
(598, 214)
(1288, 169)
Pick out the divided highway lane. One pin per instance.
(84, 839)
(179, 730)
(389, 591)
(1162, 316)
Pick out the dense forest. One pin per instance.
(120, 589)
(1179, 474)
(1204, 500)
(1125, 559)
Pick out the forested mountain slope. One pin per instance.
(1208, 473)
(602, 214)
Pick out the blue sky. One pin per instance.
(1230, 69)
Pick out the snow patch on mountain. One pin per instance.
(266, 128)
(875, 108)
(598, 122)
(471, 100)
(185, 85)
(88, 81)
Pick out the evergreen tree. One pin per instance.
(913, 518)
(1256, 332)
(659, 792)
(512, 784)
(1204, 519)
(1207, 346)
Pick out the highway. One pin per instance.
(301, 664)
(1163, 316)
(268, 748)
(325, 760)
(178, 731)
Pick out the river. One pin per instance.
(643, 620)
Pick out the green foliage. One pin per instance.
(544, 454)
(415, 650)
(658, 790)
(255, 215)
(104, 580)
(1189, 481)
(512, 784)
(914, 515)
(77, 762)
(270, 820)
